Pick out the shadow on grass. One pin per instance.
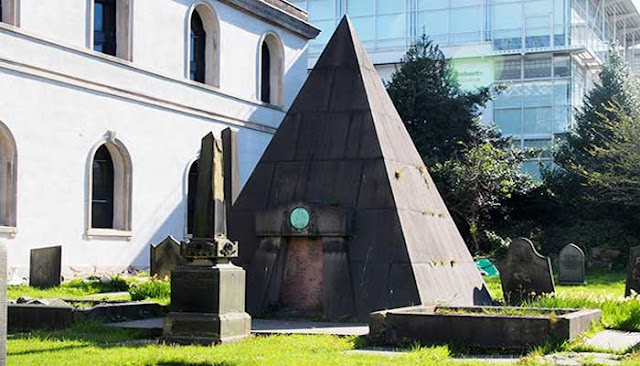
(50, 349)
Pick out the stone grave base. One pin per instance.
(26, 317)
(482, 327)
(206, 329)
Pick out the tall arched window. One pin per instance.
(198, 48)
(110, 31)
(192, 185)
(8, 177)
(203, 55)
(9, 12)
(102, 197)
(271, 65)
(110, 190)
(265, 88)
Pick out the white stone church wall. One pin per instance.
(59, 99)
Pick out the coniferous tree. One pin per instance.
(436, 112)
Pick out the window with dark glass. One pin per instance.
(265, 92)
(191, 195)
(102, 190)
(0, 10)
(104, 26)
(198, 48)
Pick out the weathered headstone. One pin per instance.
(3, 304)
(45, 267)
(343, 187)
(165, 257)
(525, 274)
(208, 292)
(571, 266)
(633, 272)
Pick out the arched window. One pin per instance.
(198, 48)
(110, 190)
(8, 176)
(265, 89)
(110, 32)
(192, 185)
(203, 55)
(271, 70)
(102, 197)
(9, 12)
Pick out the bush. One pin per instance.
(155, 288)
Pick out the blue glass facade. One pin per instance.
(547, 51)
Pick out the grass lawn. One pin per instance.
(138, 288)
(94, 344)
(604, 290)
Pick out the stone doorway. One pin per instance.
(302, 282)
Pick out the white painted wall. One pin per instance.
(58, 98)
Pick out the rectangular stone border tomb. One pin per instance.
(488, 331)
(26, 317)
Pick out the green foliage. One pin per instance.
(75, 288)
(476, 185)
(154, 288)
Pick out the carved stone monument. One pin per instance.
(525, 274)
(165, 257)
(633, 272)
(340, 217)
(571, 266)
(3, 304)
(45, 267)
(208, 292)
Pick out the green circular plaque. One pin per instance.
(299, 218)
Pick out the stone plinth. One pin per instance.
(207, 305)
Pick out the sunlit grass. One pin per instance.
(93, 344)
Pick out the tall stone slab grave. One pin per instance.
(633, 272)
(525, 274)
(208, 291)
(45, 266)
(165, 257)
(571, 266)
(340, 216)
(3, 304)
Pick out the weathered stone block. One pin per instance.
(571, 266)
(165, 257)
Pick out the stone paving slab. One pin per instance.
(614, 340)
(582, 359)
(267, 326)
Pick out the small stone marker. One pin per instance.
(3, 304)
(525, 274)
(571, 266)
(45, 267)
(633, 272)
(165, 257)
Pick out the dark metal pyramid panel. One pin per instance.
(343, 144)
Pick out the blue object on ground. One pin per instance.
(487, 268)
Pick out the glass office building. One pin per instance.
(548, 51)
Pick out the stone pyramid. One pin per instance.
(378, 234)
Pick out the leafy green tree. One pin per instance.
(436, 112)
(616, 177)
(477, 184)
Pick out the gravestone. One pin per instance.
(232, 183)
(525, 274)
(342, 198)
(165, 257)
(208, 291)
(571, 266)
(45, 267)
(3, 304)
(633, 272)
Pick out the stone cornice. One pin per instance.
(280, 13)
